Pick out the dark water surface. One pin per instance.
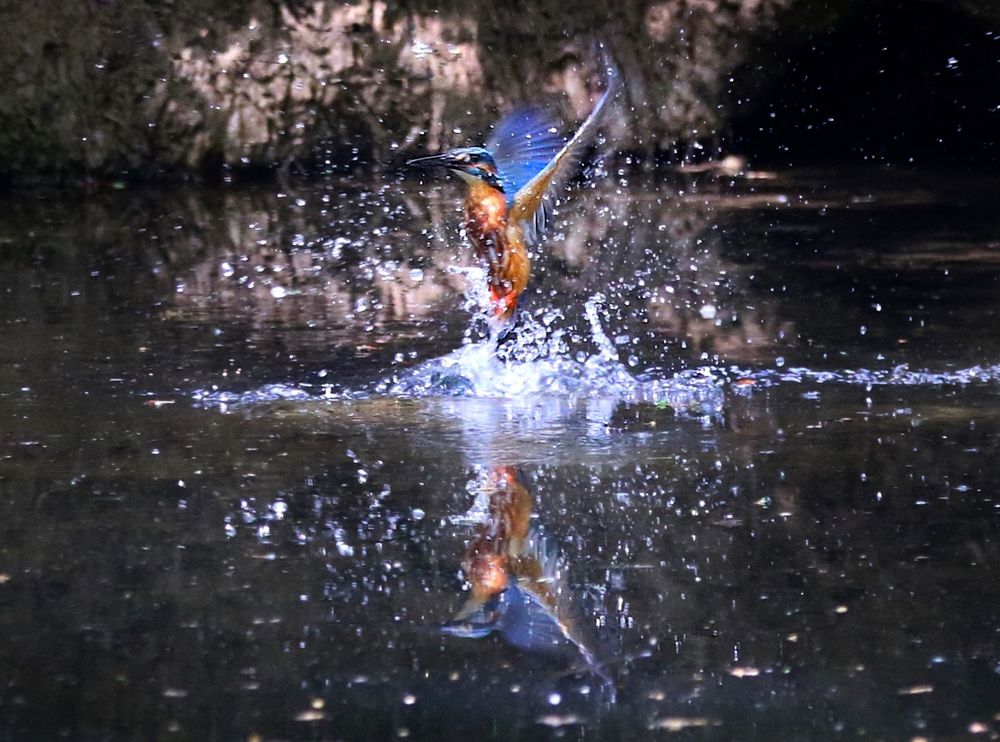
(807, 549)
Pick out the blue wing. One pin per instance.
(529, 624)
(531, 201)
(522, 144)
(521, 617)
(529, 621)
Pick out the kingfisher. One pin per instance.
(510, 184)
(507, 559)
(517, 581)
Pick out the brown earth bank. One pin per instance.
(101, 88)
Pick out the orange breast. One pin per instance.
(499, 245)
(488, 558)
(485, 213)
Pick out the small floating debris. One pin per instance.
(310, 715)
(175, 693)
(554, 721)
(158, 403)
(744, 672)
(915, 690)
(680, 723)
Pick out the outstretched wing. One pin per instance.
(522, 145)
(530, 205)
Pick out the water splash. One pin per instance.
(901, 375)
(604, 344)
(265, 394)
(539, 358)
(477, 370)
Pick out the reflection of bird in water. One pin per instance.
(516, 581)
(509, 181)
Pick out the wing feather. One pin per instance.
(531, 206)
(522, 145)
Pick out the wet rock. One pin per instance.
(101, 87)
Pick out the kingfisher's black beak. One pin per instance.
(446, 161)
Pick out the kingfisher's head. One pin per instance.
(472, 164)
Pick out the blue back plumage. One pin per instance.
(522, 144)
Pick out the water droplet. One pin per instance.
(345, 550)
